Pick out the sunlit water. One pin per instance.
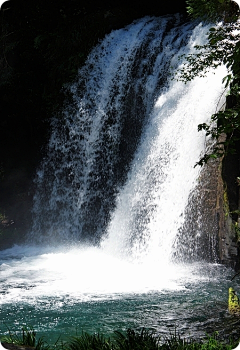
(63, 292)
(130, 213)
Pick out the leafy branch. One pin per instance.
(223, 48)
(213, 10)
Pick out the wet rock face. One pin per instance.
(228, 243)
(233, 302)
(199, 235)
(209, 232)
(229, 228)
(230, 173)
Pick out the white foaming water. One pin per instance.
(150, 207)
(126, 114)
(34, 275)
(80, 193)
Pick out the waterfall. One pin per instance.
(115, 230)
(120, 160)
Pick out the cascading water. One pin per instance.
(117, 176)
(127, 122)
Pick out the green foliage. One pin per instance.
(143, 340)
(133, 340)
(129, 340)
(26, 338)
(223, 47)
(212, 10)
(89, 342)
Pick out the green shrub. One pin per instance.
(89, 342)
(26, 338)
(129, 340)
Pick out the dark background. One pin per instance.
(43, 43)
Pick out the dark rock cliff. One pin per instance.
(230, 228)
(211, 233)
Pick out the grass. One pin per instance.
(130, 340)
(26, 338)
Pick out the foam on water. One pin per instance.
(29, 274)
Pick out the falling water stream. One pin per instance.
(111, 196)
